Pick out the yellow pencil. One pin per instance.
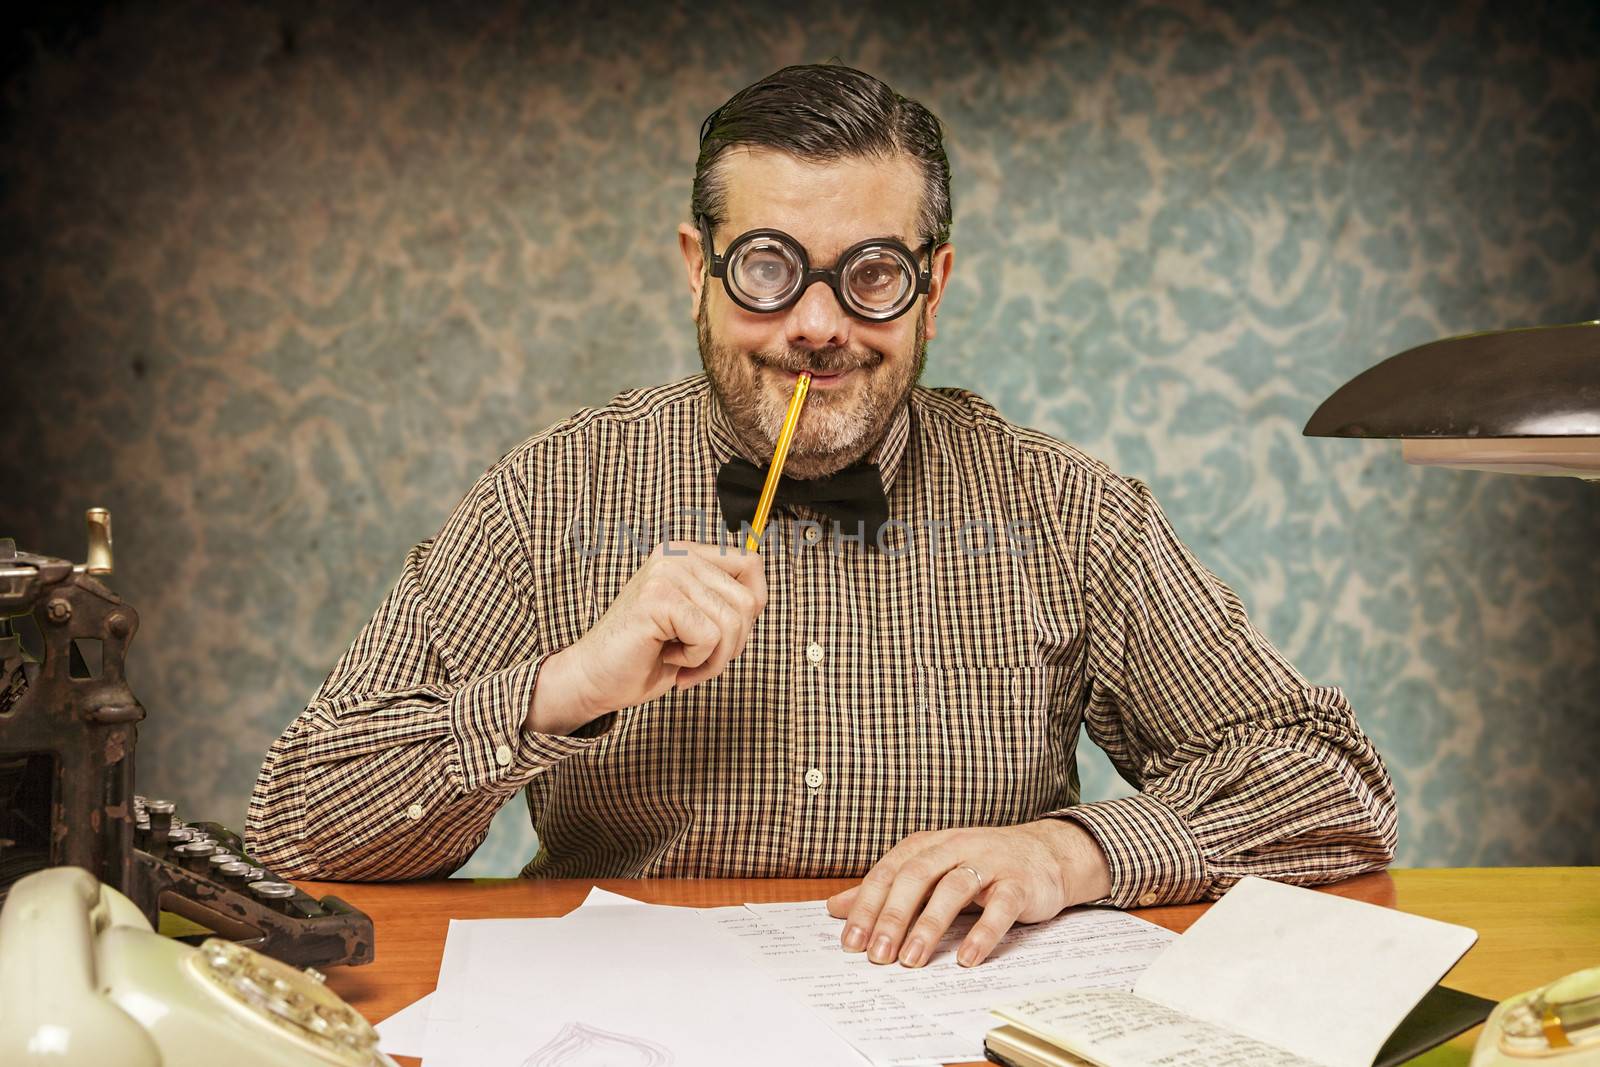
(802, 385)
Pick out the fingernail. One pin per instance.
(912, 954)
(855, 939)
(880, 950)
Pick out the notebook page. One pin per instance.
(1116, 1029)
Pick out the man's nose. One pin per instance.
(817, 320)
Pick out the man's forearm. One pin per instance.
(351, 820)
(404, 783)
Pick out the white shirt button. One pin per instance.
(811, 535)
(502, 755)
(414, 812)
(814, 778)
(1148, 900)
(814, 652)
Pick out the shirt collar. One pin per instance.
(887, 452)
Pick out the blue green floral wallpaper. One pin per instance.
(279, 280)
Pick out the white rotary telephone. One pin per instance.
(1557, 1025)
(86, 982)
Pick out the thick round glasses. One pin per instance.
(767, 271)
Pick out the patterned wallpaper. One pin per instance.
(278, 282)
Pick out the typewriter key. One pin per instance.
(235, 870)
(195, 854)
(160, 812)
(279, 895)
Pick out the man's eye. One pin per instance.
(766, 274)
(875, 278)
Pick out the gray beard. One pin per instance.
(833, 438)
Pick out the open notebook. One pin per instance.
(1270, 975)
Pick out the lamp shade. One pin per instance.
(1522, 401)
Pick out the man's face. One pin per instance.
(861, 371)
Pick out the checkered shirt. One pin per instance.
(935, 675)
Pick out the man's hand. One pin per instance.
(1025, 873)
(683, 615)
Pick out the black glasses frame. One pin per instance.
(810, 275)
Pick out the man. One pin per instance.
(893, 686)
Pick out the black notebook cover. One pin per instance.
(1438, 1017)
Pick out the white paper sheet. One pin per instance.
(877, 1022)
(654, 982)
(600, 898)
(1319, 975)
(939, 1012)
(890, 1014)
(405, 1032)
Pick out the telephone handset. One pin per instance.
(84, 980)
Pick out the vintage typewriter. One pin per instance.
(68, 727)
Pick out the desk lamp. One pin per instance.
(1516, 402)
(1513, 401)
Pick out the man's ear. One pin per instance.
(944, 258)
(694, 261)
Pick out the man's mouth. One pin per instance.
(828, 379)
(821, 380)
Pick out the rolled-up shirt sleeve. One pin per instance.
(405, 752)
(1242, 766)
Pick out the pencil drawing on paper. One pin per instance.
(580, 1045)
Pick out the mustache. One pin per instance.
(820, 361)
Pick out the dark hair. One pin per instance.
(825, 112)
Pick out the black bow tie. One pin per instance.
(853, 495)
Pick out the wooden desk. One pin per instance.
(1534, 924)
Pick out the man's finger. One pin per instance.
(839, 903)
(870, 895)
(728, 603)
(1006, 901)
(912, 885)
(747, 567)
(727, 619)
(724, 585)
(695, 632)
(952, 893)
